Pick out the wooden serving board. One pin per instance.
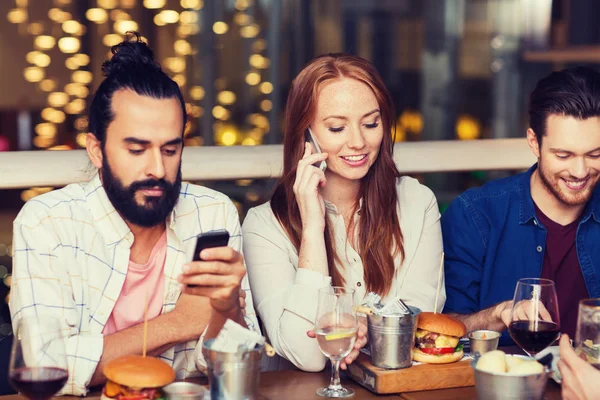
(416, 378)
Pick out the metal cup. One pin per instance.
(392, 339)
(233, 376)
(185, 391)
(483, 340)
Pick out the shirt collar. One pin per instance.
(107, 220)
(527, 207)
(331, 208)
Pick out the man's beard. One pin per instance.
(154, 211)
(564, 197)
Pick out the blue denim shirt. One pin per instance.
(492, 238)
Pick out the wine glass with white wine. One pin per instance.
(336, 328)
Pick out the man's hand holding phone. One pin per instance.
(216, 273)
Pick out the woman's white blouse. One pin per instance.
(286, 296)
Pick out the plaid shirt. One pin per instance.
(71, 253)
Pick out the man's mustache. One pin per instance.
(150, 184)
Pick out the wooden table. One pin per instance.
(298, 385)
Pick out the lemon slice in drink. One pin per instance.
(339, 335)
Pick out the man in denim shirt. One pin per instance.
(541, 223)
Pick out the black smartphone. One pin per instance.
(218, 238)
(310, 138)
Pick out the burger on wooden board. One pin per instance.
(136, 378)
(437, 339)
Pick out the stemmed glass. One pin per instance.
(587, 337)
(336, 328)
(535, 322)
(38, 363)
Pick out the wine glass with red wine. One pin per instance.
(535, 322)
(38, 363)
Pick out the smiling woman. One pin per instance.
(357, 224)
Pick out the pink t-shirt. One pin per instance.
(141, 281)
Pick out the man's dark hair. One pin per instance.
(132, 66)
(570, 93)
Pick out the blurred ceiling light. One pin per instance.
(220, 112)
(182, 47)
(185, 30)
(180, 79)
(22, 3)
(241, 5)
(242, 19)
(63, 2)
(69, 45)
(226, 97)
(60, 147)
(170, 16)
(188, 17)
(467, 128)
(82, 92)
(122, 26)
(197, 93)
(258, 120)
(72, 88)
(154, 4)
(81, 123)
(175, 64)
(249, 142)
(228, 138)
(58, 99)
(17, 15)
(83, 77)
(107, 4)
(249, 31)
(266, 105)
(32, 55)
(266, 87)
(44, 42)
(71, 63)
(220, 27)
(46, 129)
(128, 3)
(42, 142)
(411, 120)
(258, 61)
(97, 15)
(82, 59)
(47, 85)
(75, 107)
(119, 15)
(81, 139)
(33, 74)
(197, 111)
(159, 21)
(259, 45)
(192, 4)
(59, 16)
(253, 78)
(53, 115)
(42, 60)
(35, 28)
(111, 39)
(71, 27)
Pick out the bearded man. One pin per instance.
(544, 223)
(97, 256)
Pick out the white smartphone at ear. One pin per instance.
(322, 165)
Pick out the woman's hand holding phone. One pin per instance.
(306, 188)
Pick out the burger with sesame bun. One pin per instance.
(436, 339)
(136, 378)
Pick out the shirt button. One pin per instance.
(539, 249)
(358, 284)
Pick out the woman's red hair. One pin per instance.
(379, 234)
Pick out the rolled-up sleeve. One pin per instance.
(41, 286)
(286, 297)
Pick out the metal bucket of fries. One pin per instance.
(233, 376)
(392, 338)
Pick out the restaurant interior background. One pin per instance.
(457, 70)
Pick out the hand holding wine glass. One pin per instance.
(535, 322)
(38, 362)
(336, 328)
